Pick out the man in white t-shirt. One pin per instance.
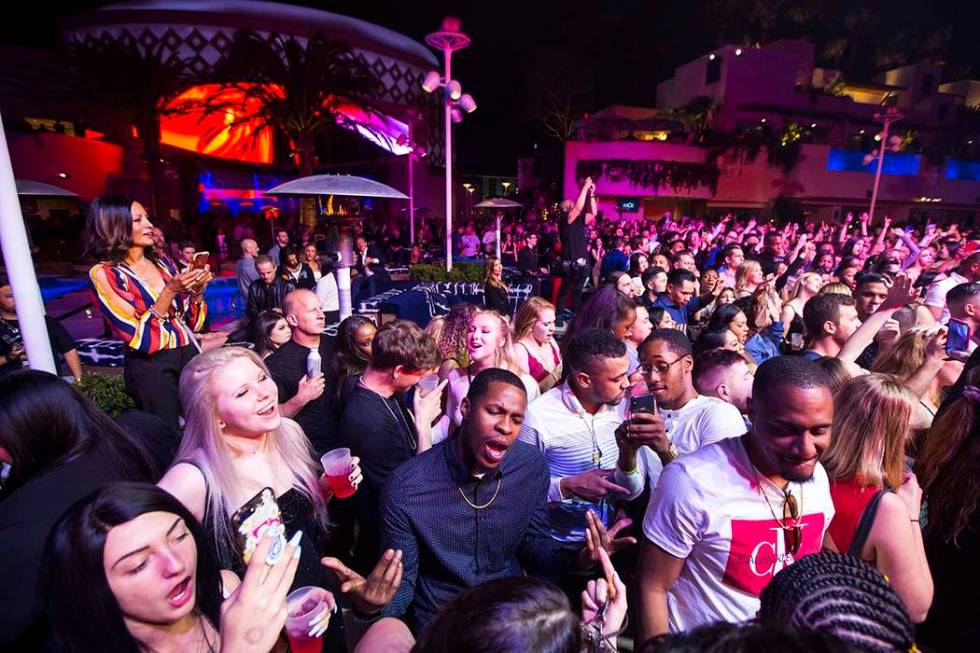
(725, 519)
(689, 420)
(469, 243)
(967, 272)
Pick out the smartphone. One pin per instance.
(200, 260)
(643, 404)
(958, 338)
(251, 521)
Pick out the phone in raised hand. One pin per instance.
(958, 337)
(200, 260)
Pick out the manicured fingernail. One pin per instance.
(294, 540)
(334, 608)
(298, 552)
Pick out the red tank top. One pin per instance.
(850, 501)
(534, 366)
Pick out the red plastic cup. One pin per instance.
(336, 467)
(302, 605)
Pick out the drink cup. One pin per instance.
(302, 605)
(336, 466)
(428, 383)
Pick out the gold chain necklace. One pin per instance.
(487, 504)
(782, 524)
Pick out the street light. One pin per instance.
(890, 115)
(506, 185)
(448, 40)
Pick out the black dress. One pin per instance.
(951, 624)
(297, 514)
(495, 299)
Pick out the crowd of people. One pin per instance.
(695, 434)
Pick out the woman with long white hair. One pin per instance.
(236, 443)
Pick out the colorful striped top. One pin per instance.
(126, 301)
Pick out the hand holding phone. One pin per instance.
(958, 337)
(251, 521)
(200, 260)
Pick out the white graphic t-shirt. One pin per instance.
(700, 422)
(708, 509)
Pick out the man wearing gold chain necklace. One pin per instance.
(473, 508)
(726, 518)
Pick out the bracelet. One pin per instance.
(155, 313)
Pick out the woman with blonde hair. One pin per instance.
(918, 359)
(489, 343)
(494, 288)
(235, 444)
(836, 288)
(807, 286)
(877, 499)
(748, 277)
(536, 351)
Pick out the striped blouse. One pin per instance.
(126, 303)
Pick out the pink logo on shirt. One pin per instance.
(758, 550)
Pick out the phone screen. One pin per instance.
(958, 338)
(200, 260)
(643, 404)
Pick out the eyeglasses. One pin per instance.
(659, 368)
(792, 534)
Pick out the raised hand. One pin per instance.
(604, 599)
(901, 293)
(255, 613)
(597, 537)
(369, 594)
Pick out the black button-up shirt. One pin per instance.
(447, 545)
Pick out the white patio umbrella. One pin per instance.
(31, 188)
(497, 203)
(346, 185)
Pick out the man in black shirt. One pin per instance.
(12, 354)
(309, 401)
(267, 292)
(378, 428)
(530, 265)
(571, 229)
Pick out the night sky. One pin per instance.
(624, 47)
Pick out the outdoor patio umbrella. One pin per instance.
(347, 185)
(498, 203)
(28, 187)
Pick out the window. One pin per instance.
(713, 71)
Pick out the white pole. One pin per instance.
(448, 55)
(343, 292)
(498, 236)
(881, 160)
(20, 268)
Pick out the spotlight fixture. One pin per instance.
(454, 89)
(467, 103)
(432, 81)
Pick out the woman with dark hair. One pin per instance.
(947, 468)
(129, 570)
(639, 263)
(606, 309)
(151, 307)
(271, 332)
(59, 447)
(354, 338)
(494, 288)
(522, 614)
(841, 595)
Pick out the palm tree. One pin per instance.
(280, 84)
(120, 79)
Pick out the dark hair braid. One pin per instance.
(843, 595)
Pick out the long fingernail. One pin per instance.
(298, 552)
(294, 540)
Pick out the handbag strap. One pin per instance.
(867, 521)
